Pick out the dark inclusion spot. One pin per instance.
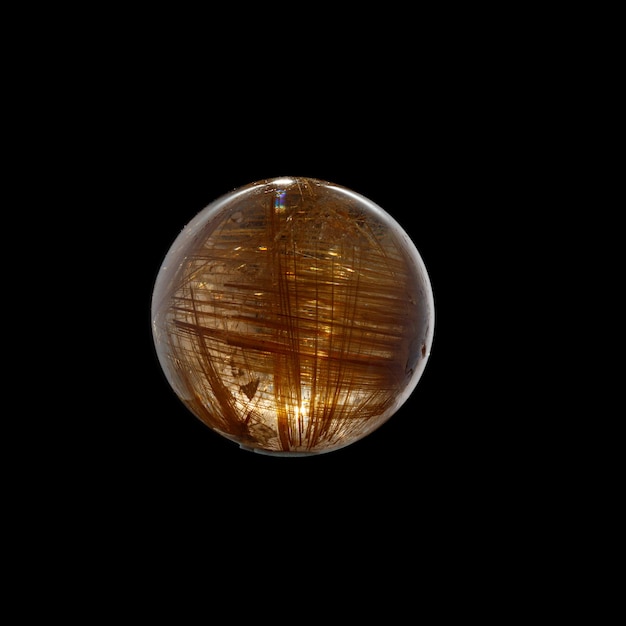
(235, 371)
(413, 360)
(250, 388)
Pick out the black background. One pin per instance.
(151, 145)
(440, 483)
(434, 166)
(462, 126)
(434, 451)
(466, 128)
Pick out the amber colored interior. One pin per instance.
(292, 316)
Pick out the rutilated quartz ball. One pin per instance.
(293, 316)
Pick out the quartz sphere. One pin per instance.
(293, 316)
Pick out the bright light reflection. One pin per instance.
(279, 201)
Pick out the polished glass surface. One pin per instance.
(293, 316)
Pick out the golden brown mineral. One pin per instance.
(293, 316)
